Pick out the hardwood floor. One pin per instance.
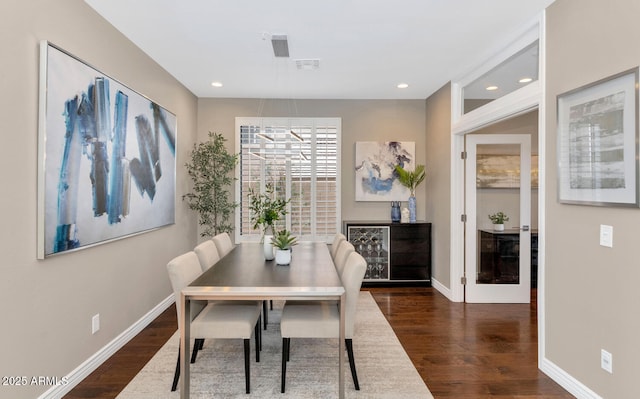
(462, 351)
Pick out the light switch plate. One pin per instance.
(606, 361)
(606, 235)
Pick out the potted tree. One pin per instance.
(282, 242)
(498, 220)
(266, 209)
(411, 179)
(210, 170)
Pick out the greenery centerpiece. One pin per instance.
(266, 209)
(283, 241)
(210, 170)
(411, 179)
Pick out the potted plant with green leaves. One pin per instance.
(498, 220)
(210, 170)
(411, 179)
(283, 241)
(266, 209)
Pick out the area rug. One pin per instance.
(384, 369)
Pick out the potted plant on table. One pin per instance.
(266, 209)
(283, 241)
(411, 179)
(498, 220)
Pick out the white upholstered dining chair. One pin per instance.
(321, 319)
(208, 256)
(223, 243)
(336, 243)
(213, 320)
(207, 253)
(345, 249)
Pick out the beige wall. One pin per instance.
(592, 292)
(362, 120)
(438, 181)
(47, 305)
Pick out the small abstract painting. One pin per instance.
(97, 140)
(502, 171)
(376, 177)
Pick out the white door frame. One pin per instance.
(498, 293)
(519, 102)
(460, 126)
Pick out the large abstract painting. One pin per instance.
(106, 157)
(376, 178)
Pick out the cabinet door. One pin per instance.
(410, 251)
(372, 242)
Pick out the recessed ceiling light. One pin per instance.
(216, 84)
(525, 80)
(402, 85)
(492, 88)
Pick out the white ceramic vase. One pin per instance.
(498, 227)
(283, 256)
(268, 248)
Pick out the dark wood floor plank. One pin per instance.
(462, 351)
(469, 351)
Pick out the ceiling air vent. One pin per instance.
(280, 45)
(308, 65)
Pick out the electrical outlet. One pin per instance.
(95, 324)
(606, 361)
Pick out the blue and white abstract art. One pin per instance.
(376, 177)
(98, 140)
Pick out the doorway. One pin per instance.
(501, 180)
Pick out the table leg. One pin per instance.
(341, 347)
(185, 307)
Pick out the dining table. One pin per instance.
(244, 274)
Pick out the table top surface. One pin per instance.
(244, 270)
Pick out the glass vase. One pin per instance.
(412, 209)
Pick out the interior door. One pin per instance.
(498, 179)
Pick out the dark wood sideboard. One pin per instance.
(396, 253)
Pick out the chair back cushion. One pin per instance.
(223, 243)
(336, 243)
(183, 270)
(344, 250)
(352, 277)
(207, 254)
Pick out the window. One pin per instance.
(510, 75)
(299, 157)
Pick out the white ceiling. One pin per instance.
(365, 47)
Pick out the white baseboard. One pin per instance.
(566, 381)
(441, 288)
(89, 365)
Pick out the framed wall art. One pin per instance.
(598, 142)
(502, 171)
(376, 178)
(106, 156)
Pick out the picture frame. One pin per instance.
(375, 176)
(106, 157)
(503, 171)
(597, 152)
